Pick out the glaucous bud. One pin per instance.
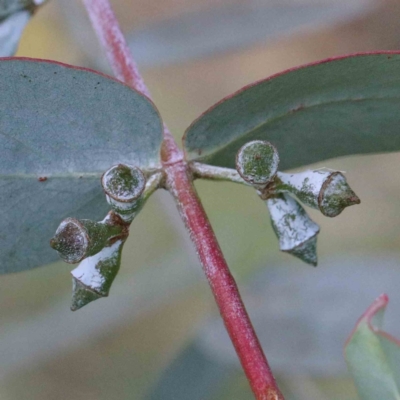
(124, 186)
(296, 231)
(257, 163)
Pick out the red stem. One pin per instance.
(180, 184)
(222, 284)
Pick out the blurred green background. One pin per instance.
(158, 335)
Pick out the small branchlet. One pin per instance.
(124, 186)
(257, 163)
(77, 239)
(324, 190)
(296, 231)
(98, 245)
(93, 278)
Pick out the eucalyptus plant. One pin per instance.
(82, 152)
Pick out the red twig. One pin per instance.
(223, 285)
(180, 184)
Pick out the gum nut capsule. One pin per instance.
(296, 231)
(257, 162)
(124, 186)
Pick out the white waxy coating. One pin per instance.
(88, 274)
(305, 185)
(293, 225)
(117, 186)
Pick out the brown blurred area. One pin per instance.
(121, 347)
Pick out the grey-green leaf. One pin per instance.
(329, 109)
(373, 356)
(68, 125)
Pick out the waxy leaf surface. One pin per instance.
(330, 109)
(373, 356)
(68, 125)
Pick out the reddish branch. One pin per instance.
(180, 185)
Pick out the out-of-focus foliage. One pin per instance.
(373, 356)
(14, 16)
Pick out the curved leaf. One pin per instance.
(68, 125)
(373, 356)
(333, 108)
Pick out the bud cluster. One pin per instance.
(98, 245)
(257, 163)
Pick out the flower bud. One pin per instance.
(296, 231)
(124, 186)
(93, 278)
(324, 190)
(257, 163)
(77, 239)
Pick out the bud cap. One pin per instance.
(336, 195)
(71, 240)
(257, 162)
(123, 183)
